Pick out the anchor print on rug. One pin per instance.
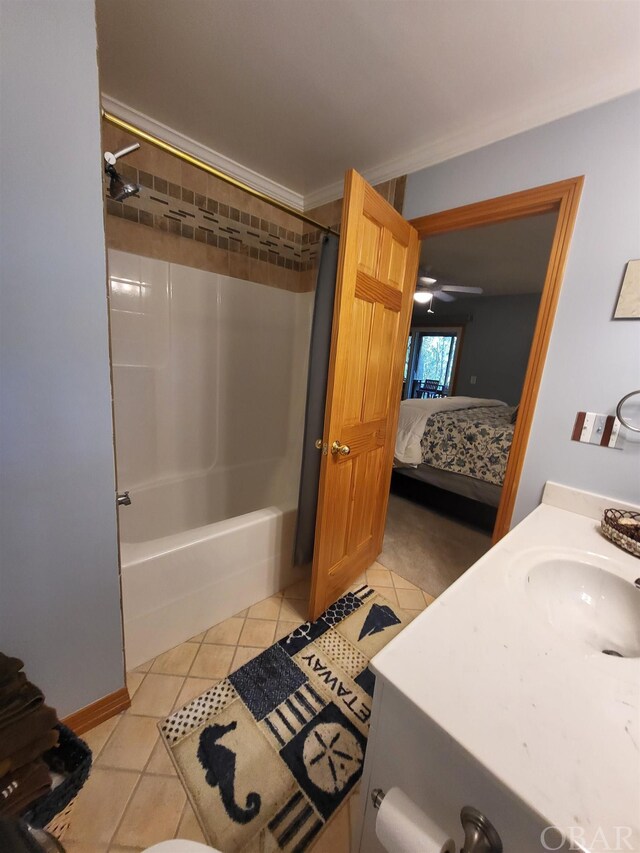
(380, 616)
(219, 762)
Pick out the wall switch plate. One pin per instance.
(592, 428)
(472, 381)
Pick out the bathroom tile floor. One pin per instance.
(133, 798)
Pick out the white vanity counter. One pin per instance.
(509, 663)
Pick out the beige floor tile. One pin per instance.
(145, 667)
(83, 846)
(160, 763)
(226, 633)
(378, 577)
(212, 661)
(176, 661)
(134, 680)
(300, 590)
(191, 688)
(257, 632)
(100, 806)
(240, 615)
(267, 609)
(130, 745)
(116, 848)
(243, 655)
(294, 610)
(189, 827)
(428, 599)
(336, 837)
(96, 738)
(283, 629)
(402, 583)
(390, 594)
(412, 613)
(153, 813)
(156, 695)
(412, 599)
(198, 638)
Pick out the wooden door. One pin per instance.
(377, 269)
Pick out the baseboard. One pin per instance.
(92, 715)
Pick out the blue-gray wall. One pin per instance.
(592, 360)
(59, 584)
(496, 342)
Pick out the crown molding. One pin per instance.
(474, 137)
(439, 150)
(202, 152)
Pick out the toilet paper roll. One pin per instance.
(402, 827)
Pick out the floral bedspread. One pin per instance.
(475, 442)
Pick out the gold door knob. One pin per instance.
(342, 449)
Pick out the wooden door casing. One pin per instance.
(563, 197)
(377, 270)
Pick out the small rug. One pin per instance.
(270, 753)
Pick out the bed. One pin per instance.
(460, 444)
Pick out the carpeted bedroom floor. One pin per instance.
(427, 548)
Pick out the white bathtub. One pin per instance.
(176, 586)
(209, 381)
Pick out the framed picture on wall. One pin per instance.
(628, 306)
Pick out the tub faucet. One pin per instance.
(123, 499)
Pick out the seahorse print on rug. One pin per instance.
(220, 764)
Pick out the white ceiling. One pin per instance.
(300, 90)
(504, 258)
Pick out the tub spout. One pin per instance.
(123, 499)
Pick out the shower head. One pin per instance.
(119, 189)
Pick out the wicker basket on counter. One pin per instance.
(622, 527)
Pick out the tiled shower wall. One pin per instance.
(185, 216)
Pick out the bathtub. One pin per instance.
(209, 385)
(175, 586)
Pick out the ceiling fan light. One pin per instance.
(422, 297)
(426, 280)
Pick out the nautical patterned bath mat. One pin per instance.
(269, 753)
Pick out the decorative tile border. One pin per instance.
(183, 212)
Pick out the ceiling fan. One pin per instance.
(428, 289)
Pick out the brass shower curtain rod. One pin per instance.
(211, 170)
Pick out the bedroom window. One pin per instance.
(431, 361)
(407, 358)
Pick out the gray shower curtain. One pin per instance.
(319, 351)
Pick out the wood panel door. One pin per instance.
(377, 269)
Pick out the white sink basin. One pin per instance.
(587, 604)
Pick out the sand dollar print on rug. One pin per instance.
(270, 753)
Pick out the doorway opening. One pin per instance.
(377, 271)
(489, 277)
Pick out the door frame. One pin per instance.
(563, 197)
